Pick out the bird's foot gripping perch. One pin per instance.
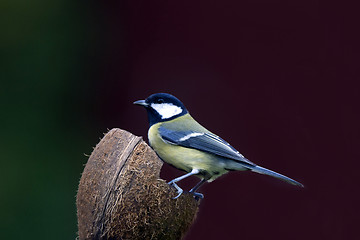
(197, 195)
(193, 190)
(180, 191)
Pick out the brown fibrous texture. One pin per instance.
(121, 195)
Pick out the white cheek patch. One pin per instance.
(166, 110)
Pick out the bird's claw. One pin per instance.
(179, 190)
(179, 194)
(198, 195)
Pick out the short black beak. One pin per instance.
(141, 103)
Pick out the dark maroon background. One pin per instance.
(277, 79)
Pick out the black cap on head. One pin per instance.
(162, 107)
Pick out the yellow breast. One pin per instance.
(182, 157)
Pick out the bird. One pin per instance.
(179, 140)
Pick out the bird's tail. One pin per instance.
(265, 171)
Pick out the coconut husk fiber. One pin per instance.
(121, 195)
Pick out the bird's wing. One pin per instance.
(204, 141)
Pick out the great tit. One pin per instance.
(183, 143)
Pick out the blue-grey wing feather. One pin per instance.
(203, 141)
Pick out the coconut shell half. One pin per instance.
(121, 195)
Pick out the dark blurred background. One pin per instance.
(277, 79)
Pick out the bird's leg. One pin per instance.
(197, 186)
(173, 182)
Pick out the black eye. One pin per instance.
(160, 100)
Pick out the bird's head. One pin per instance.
(162, 107)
